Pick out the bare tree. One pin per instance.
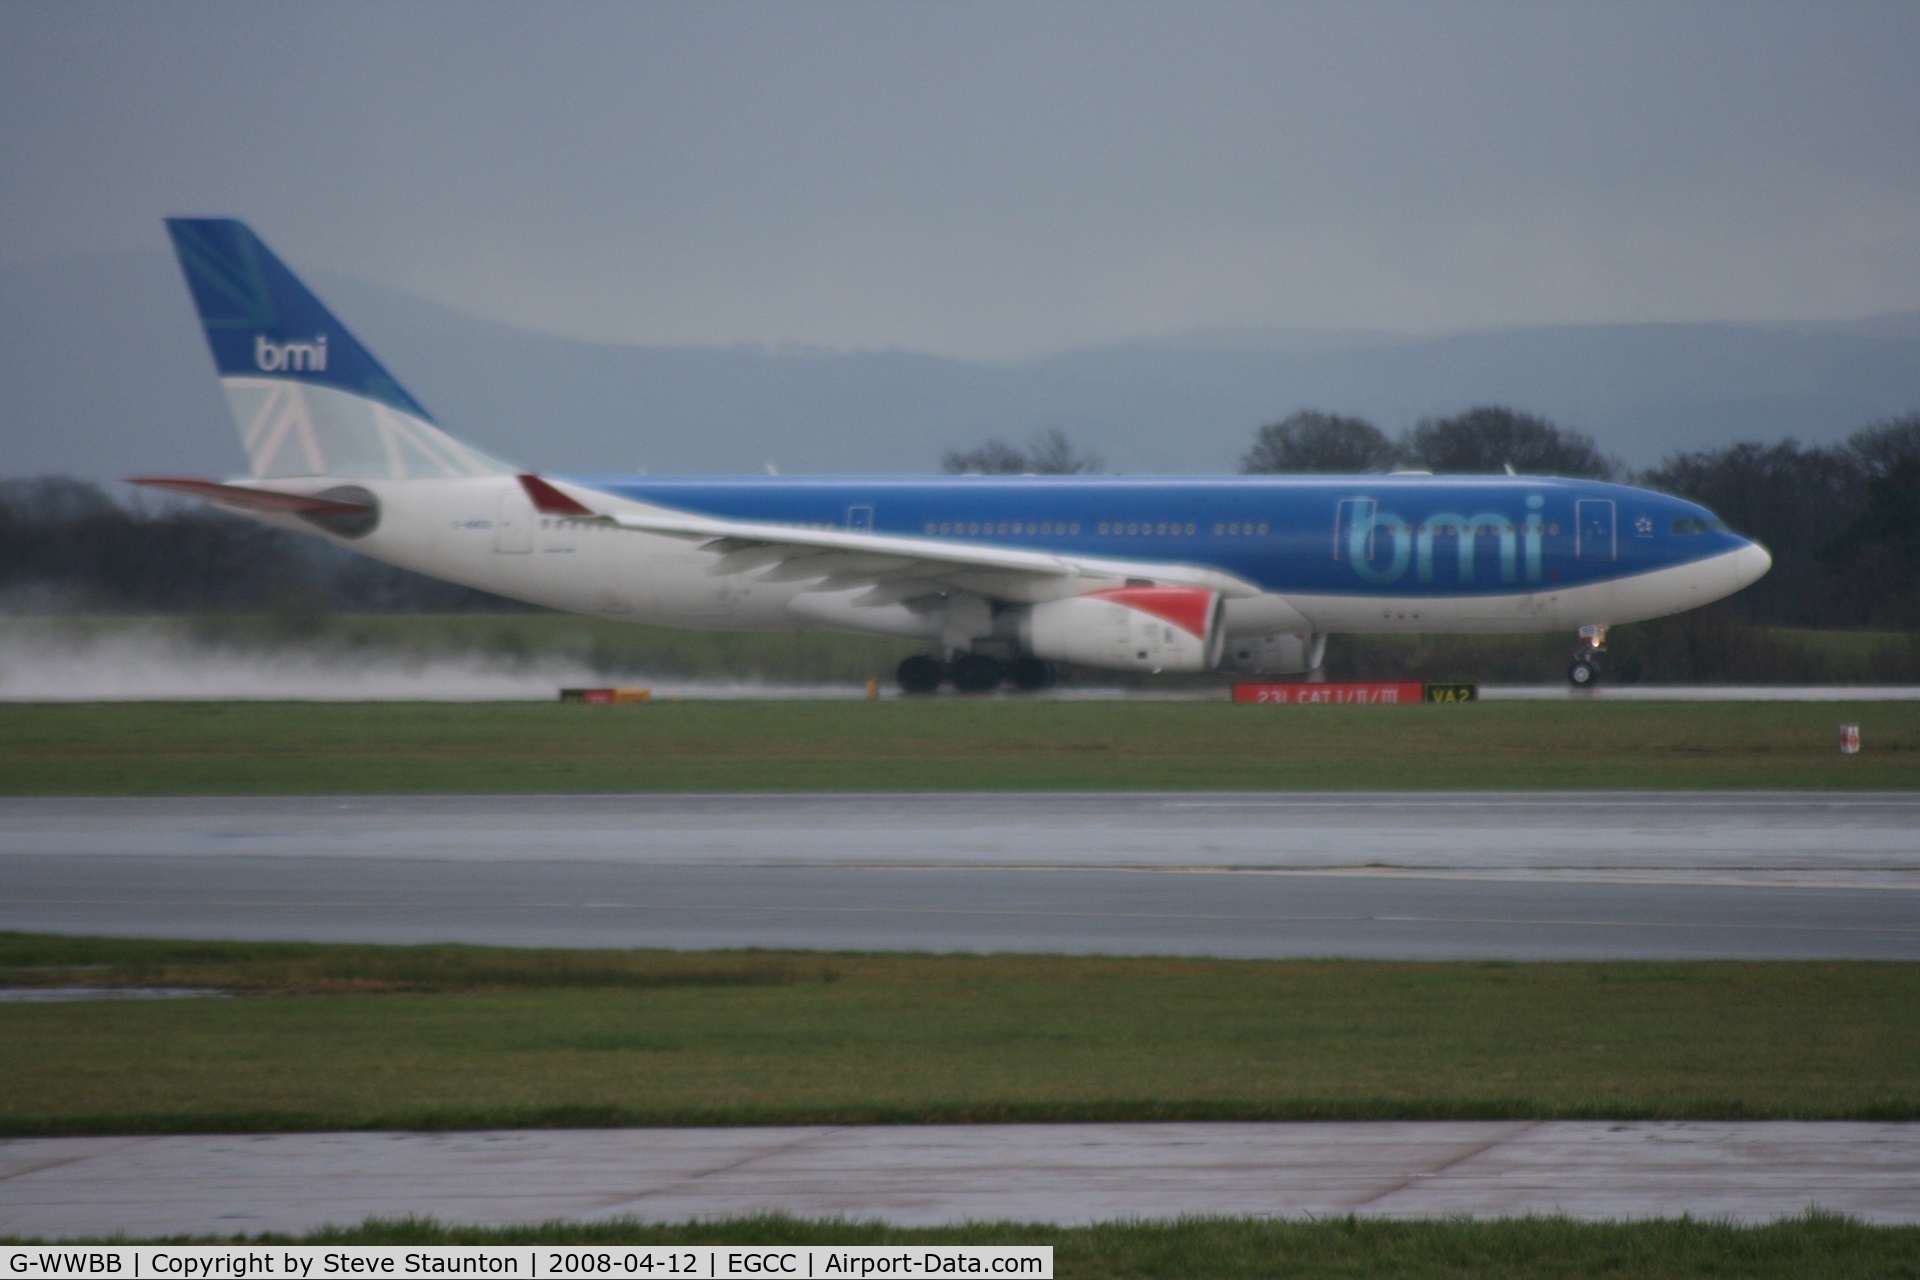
(1791, 498)
(1883, 446)
(1321, 442)
(1049, 453)
(1490, 438)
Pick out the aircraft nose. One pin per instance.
(1751, 563)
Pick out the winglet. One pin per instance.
(549, 501)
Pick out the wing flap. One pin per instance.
(785, 553)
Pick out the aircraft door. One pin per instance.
(1353, 525)
(860, 519)
(513, 523)
(1593, 525)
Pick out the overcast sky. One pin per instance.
(995, 180)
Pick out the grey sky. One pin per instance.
(984, 179)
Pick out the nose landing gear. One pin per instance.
(1585, 671)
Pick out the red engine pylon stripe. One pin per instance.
(1189, 608)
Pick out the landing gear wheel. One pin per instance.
(977, 673)
(920, 674)
(1033, 673)
(1584, 673)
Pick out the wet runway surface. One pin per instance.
(1517, 875)
(919, 1175)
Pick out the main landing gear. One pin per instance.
(1585, 671)
(975, 673)
(921, 674)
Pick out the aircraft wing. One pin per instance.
(895, 567)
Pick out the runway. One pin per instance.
(1523, 875)
(922, 1175)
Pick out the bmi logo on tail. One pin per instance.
(290, 357)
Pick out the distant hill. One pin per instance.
(103, 374)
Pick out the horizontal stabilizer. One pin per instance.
(246, 499)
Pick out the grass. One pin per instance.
(1813, 1247)
(941, 744)
(353, 1037)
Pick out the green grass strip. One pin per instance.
(362, 1037)
(942, 744)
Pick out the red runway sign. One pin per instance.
(1350, 691)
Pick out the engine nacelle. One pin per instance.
(1285, 654)
(1129, 629)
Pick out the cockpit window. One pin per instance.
(1694, 524)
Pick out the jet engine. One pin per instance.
(1286, 654)
(1129, 629)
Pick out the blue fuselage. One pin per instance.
(1333, 535)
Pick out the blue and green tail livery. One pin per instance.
(308, 398)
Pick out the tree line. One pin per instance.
(66, 545)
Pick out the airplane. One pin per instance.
(1002, 578)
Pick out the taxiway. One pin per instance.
(915, 1175)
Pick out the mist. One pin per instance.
(67, 660)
